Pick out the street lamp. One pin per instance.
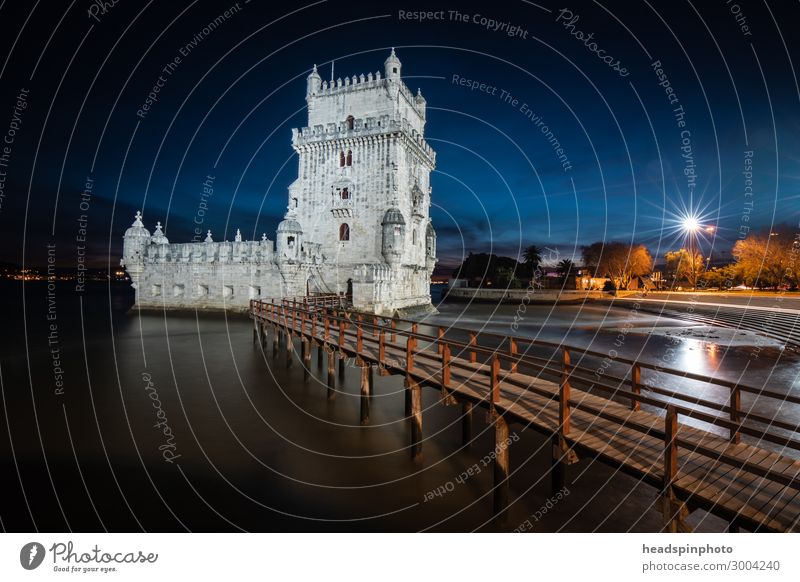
(691, 225)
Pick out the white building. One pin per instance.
(357, 220)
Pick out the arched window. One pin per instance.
(344, 231)
(349, 157)
(290, 242)
(414, 236)
(350, 122)
(341, 159)
(345, 194)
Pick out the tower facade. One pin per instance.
(362, 196)
(357, 219)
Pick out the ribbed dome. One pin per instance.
(158, 236)
(289, 224)
(137, 229)
(393, 216)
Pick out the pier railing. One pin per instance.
(517, 362)
(508, 352)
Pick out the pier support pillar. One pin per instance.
(341, 366)
(320, 356)
(501, 469)
(289, 349)
(275, 341)
(366, 384)
(264, 336)
(331, 374)
(466, 423)
(305, 347)
(407, 394)
(563, 456)
(415, 393)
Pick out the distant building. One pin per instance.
(357, 220)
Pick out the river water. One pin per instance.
(124, 421)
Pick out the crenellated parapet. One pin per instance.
(367, 129)
(253, 252)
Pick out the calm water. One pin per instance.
(254, 446)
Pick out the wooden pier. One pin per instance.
(689, 448)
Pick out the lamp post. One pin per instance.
(690, 225)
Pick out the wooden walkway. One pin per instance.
(582, 412)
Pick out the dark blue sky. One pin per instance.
(228, 107)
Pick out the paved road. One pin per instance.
(775, 316)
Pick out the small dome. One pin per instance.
(289, 224)
(158, 235)
(393, 216)
(137, 229)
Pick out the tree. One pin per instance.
(679, 266)
(618, 260)
(565, 267)
(532, 257)
(768, 258)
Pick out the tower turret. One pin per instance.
(392, 66)
(313, 83)
(394, 233)
(135, 242)
(290, 235)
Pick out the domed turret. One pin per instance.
(393, 226)
(430, 241)
(289, 238)
(313, 83)
(392, 66)
(135, 241)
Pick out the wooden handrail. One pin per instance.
(735, 416)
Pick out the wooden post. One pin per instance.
(439, 344)
(382, 349)
(564, 395)
(636, 384)
(394, 328)
(327, 336)
(512, 350)
(255, 330)
(445, 366)
(331, 374)
(409, 355)
(494, 380)
(416, 420)
(473, 341)
(501, 469)
(670, 514)
(359, 336)
(736, 407)
(320, 351)
(365, 392)
(466, 423)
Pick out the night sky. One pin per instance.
(632, 162)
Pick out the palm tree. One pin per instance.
(532, 256)
(564, 268)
